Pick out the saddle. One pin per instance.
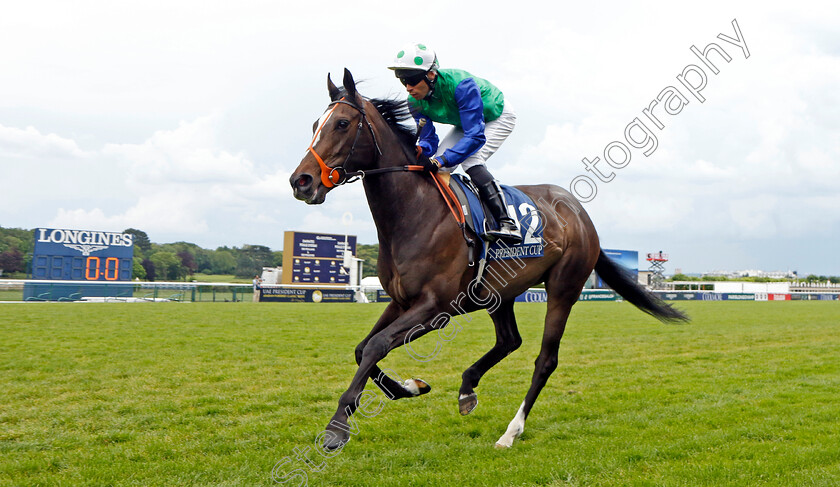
(520, 208)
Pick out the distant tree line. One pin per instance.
(370, 254)
(15, 248)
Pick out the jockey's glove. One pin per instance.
(430, 164)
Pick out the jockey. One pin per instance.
(481, 117)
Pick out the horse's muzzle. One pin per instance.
(303, 188)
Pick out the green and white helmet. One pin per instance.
(415, 57)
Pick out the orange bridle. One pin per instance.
(338, 175)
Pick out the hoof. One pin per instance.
(334, 440)
(466, 403)
(506, 441)
(514, 429)
(417, 387)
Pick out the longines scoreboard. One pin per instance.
(82, 255)
(316, 258)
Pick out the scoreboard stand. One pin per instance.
(69, 264)
(317, 268)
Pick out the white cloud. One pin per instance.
(29, 143)
(188, 154)
(175, 182)
(161, 213)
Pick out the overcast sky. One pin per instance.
(185, 119)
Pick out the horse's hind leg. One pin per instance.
(507, 340)
(555, 324)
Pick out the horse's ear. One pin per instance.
(333, 89)
(350, 85)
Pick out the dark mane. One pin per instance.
(395, 111)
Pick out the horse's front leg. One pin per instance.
(393, 389)
(377, 347)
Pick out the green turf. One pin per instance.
(218, 394)
(11, 294)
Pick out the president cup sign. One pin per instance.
(82, 255)
(316, 258)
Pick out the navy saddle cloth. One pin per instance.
(520, 207)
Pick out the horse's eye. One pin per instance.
(343, 124)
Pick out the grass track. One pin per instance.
(217, 394)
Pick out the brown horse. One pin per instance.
(424, 259)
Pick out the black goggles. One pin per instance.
(411, 79)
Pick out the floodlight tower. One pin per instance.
(657, 267)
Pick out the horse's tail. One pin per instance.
(622, 282)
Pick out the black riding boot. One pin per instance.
(493, 197)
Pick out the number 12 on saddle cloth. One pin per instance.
(520, 207)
